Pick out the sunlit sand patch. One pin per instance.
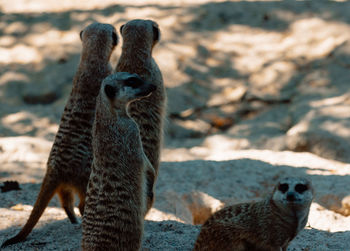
(24, 149)
(20, 53)
(342, 99)
(157, 215)
(55, 37)
(11, 76)
(26, 122)
(7, 40)
(19, 213)
(323, 219)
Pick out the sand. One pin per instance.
(257, 90)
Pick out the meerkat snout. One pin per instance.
(290, 196)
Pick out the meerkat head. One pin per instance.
(294, 193)
(141, 31)
(99, 35)
(122, 88)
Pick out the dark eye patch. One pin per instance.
(133, 82)
(300, 188)
(283, 187)
(81, 35)
(110, 91)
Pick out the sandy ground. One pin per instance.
(257, 90)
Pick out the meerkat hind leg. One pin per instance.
(81, 206)
(150, 181)
(66, 196)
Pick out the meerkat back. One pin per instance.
(69, 163)
(139, 38)
(266, 225)
(116, 196)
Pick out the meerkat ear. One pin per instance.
(115, 38)
(156, 32)
(110, 91)
(81, 35)
(121, 29)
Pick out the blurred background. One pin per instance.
(243, 79)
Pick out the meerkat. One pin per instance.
(139, 38)
(116, 198)
(69, 162)
(267, 225)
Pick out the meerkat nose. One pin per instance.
(290, 196)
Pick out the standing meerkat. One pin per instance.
(69, 163)
(116, 198)
(139, 38)
(268, 225)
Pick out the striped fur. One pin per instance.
(116, 194)
(267, 225)
(69, 163)
(139, 38)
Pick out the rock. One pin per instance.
(323, 128)
(320, 142)
(171, 206)
(201, 205)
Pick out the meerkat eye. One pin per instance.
(110, 91)
(133, 82)
(283, 187)
(115, 38)
(300, 188)
(81, 35)
(121, 29)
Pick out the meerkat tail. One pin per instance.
(46, 193)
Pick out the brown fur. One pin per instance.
(116, 195)
(267, 225)
(139, 38)
(68, 166)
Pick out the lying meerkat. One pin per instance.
(116, 200)
(139, 38)
(69, 163)
(266, 225)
